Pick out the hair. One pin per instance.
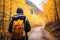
(19, 10)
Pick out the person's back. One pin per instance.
(20, 20)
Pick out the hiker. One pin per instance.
(19, 26)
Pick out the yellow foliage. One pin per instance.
(42, 18)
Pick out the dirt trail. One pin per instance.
(39, 33)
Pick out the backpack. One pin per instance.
(18, 29)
